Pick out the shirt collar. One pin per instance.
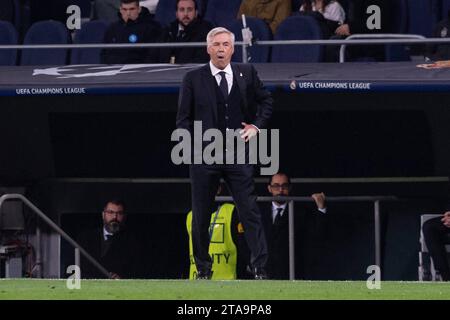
(276, 206)
(215, 70)
(106, 233)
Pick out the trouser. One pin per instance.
(436, 237)
(205, 180)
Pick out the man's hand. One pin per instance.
(248, 132)
(343, 30)
(319, 198)
(114, 276)
(446, 219)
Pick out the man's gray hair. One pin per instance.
(216, 31)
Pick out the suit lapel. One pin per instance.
(239, 77)
(208, 85)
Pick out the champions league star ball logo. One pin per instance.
(87, 71)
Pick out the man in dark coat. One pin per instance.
(112, 245)
(136, 25)
(188, 27)
(276, 225)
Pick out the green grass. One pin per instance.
(221, 290)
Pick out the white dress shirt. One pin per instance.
(106, 233)
(275, 208)
(228, 75)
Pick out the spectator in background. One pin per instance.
(107, 10)
(331, 14)
(276, 225)
(135, 26)
(273, 12)
(440, 51)
(436, 232)
(188, 27)
(112, 245)
(357, 23)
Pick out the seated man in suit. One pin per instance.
(112, 245)
(437, 234)
(275, 220)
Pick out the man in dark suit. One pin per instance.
(276, 225)
(226, 97)
(436, 232)
(115, 248)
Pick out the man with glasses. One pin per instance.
(112, 245)
(275, 219)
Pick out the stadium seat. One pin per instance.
(426, 265)
(165, 12)
(260, 31)
(421, 17)
(45, 32)
(8, 35)
(299, 27)
(90, 32)
(222, 13)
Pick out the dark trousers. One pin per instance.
(205, 180)
(437, 235)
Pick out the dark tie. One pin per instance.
(181, 34)
(106, 244)
(278, 216)
(223, 84)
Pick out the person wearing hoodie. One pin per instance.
(136, 25)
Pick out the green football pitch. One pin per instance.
(221, 290)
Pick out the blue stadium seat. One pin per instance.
(261, 31)
(45, 32)
(8, 35)
(222, 13)
(299, 27)
(90, 32)
(165, 11)
(421, 17)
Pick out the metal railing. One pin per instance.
(377, 228)
(375, 36)
(55, 227)
(393, 39)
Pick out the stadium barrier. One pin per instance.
(55, 227)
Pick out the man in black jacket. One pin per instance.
(360, 20)
(224, 96)
(136, 25)
(188, 27)
(437, 235)
(276, 225)
(113, 246)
